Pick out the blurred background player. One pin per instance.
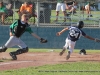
(60, 6)
(26, 8)
(2, 12)
(74, 34)
(88, 9)
(71, 6)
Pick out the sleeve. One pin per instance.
(21, 8)
(28, 29)
(13, 25)
(69, 27)
(83, 33)
(5, 9)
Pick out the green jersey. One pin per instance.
(3, 9)
(17, 28)
(87, 3)
(60, 1)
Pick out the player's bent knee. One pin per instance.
(20, 51)
(3, 49)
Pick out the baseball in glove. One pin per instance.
(43, 40)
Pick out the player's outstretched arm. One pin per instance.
(42, 40)
(36, 36)
(59, 33)
(10, 33)
(91, 38)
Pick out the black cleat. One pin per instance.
(61, 53)
(68, 56)
(13, 55)
(91, 16)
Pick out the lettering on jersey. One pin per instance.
(74, 32)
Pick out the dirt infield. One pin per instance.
(39, 59)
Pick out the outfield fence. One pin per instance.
(44, 26)
(46, 13)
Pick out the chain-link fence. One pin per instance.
(45, 13)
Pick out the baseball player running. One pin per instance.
(16, 30)
(74, 34)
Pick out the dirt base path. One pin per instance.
(39, 59)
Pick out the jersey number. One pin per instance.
(74, 34)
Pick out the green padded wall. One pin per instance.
(54, 41)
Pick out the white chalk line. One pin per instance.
(16, 62)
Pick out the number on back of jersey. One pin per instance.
(74, 33)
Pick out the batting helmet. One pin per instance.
(82, 51)
(80, 24)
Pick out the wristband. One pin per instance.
(95, 40)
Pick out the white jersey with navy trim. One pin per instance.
(75, 33)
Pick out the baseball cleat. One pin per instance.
(61, 53)
(13, 56)
(68, 56)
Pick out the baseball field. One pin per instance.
(48, 62)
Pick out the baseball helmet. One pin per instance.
(80, 24)
(82, 52)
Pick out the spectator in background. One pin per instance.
(71, 6)
(88, 10)
(25, 9)
(9, 11)
(60, 6)
(2, 12)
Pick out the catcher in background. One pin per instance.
(16, 30)
(74, 34)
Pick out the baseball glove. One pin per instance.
(43, 40)
(97, 40)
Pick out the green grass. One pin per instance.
(78, 16)
(46, 50)
(76, 68)
(58, 50)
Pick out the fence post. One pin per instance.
(38, 12)
(14, 13)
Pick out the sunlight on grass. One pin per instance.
(46, 50)
(76, 68)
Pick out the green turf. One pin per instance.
(76, 68)
(78, 16)
(55, 50)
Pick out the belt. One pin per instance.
(73, 41)
(15, 36)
